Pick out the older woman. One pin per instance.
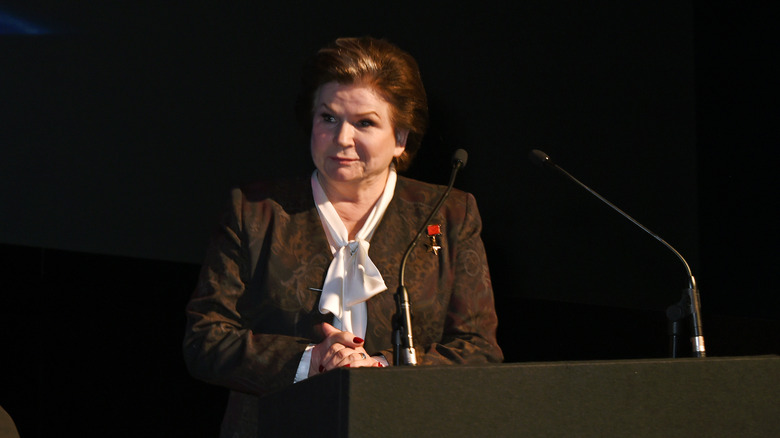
(298, 278)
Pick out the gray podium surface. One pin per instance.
(708, 397)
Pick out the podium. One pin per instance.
(706, 397)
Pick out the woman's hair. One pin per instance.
(390, 71)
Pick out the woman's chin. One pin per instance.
(342, 175)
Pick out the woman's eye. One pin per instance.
(327, 118)
(366, 123)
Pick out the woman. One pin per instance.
(299, 278)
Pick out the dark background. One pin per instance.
(123, 124)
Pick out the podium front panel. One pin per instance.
(707, 397)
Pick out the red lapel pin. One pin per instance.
(433, 231)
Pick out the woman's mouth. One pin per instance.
(343, 160)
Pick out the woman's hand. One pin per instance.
(339, 349)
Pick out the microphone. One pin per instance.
(690, 304)
(403, 344)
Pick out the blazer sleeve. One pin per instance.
(219, 345)
(469, 335)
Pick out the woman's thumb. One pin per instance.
(328, 329)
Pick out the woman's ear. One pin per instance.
(400, 137)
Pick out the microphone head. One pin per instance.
(460, 156)
(540, 158)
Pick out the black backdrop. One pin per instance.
(124, 126)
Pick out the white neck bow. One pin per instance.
(352, 277)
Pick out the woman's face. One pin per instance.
(352, 138)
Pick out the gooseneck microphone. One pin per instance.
(690, 303)
(403, 344)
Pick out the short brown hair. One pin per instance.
(390, 71)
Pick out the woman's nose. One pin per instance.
(345, 135)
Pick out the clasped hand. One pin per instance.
(339, 349)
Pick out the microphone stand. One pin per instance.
(690, 303)
(403, 344)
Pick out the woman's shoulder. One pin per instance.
(412, 190)
(269, 188)
(292, 193)
(416, 199)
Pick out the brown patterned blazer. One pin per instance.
(253, 312)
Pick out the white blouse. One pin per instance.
(352, 277)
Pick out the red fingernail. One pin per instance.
(346, 366)
(357, 340)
